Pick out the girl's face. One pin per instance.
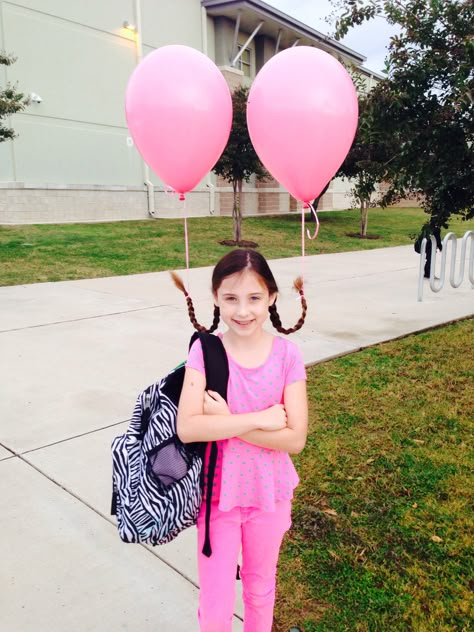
(243, 300)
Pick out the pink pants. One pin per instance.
(259, 534)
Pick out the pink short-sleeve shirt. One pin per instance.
(248, 475)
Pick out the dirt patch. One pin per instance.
(240, 244)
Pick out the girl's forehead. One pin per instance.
(246, 281)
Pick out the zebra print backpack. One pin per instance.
(157, 480)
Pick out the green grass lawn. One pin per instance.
(56, 252)
(383, 524)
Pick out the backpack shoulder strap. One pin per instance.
(215, 362)
(217, 376)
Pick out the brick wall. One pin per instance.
(269, 202)
(226, 203)
(29, 204)
(269, 183)
(23, 204)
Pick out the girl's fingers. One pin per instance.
(215, 395)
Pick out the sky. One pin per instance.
(370, 39)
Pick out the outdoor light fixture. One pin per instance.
(35, 98)
(129, 27)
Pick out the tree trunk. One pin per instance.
(364, 217)
(318, 199)
(236, 210)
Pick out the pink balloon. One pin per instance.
(179, 113)
(302, 117)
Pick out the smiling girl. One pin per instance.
(264, 419)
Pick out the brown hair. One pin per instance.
(238, 261)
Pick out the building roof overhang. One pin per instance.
(252, 12)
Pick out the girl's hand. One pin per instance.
(214, 404)
(273, 418)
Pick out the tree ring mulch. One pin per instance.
(241, 244)
(359, 236)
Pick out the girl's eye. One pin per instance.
(255, 298)
(230, 299)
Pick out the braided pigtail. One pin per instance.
(215, 322)
(275, 317)
(192, 316)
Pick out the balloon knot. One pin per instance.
(181, 197)
(306, 205)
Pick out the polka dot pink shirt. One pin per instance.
(247, 475)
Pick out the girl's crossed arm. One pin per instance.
(194, 424)
(291, 439)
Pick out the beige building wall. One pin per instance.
(78, 58)
(74, 159)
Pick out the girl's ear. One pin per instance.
(272, 298)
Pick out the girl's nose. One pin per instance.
(242, 309)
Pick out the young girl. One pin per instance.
(264, 419)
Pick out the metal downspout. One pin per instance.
(146, 170)
(209, 184)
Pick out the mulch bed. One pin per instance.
(241, 244)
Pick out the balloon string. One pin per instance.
(303, 209)
(186, 240)
(316, 219)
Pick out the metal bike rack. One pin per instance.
(437, 284)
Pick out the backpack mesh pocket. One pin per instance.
(168, 462)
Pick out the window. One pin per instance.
(245, 61)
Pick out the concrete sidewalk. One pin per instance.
(74, 355)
